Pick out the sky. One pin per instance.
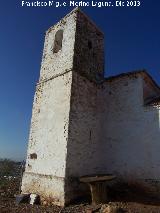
(132, 42)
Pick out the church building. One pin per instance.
(83, 123)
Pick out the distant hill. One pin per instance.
(9, 167)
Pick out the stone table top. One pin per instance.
(96, 178)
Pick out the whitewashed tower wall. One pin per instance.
(64, 135)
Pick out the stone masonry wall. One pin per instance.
(89, 49)
(131, 131)
(54, 64)
(84, 140)
(47, 149)
(49, 132)
(84, 148)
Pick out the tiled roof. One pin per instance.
(154, 102)
(133, 74)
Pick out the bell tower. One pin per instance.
(64, 131)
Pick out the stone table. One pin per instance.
(98, 187)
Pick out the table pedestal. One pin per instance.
(98, 192)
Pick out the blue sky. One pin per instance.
(132, 42)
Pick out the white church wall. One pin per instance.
(131, 131)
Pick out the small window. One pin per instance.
(33, 156)
(58, 41)
(90, 45)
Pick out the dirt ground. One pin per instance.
(125, 201)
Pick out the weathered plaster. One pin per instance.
(83, 124)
